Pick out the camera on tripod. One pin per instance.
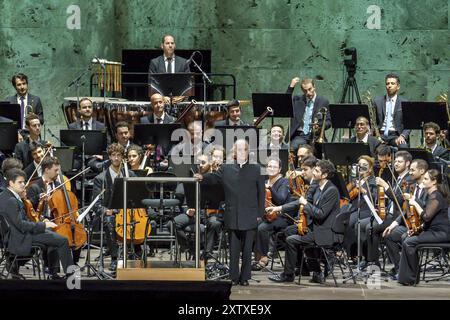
(350, 63)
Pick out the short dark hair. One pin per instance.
(309, 161)
(326, 166)
(115, 147)
(11, 163)
(31, 116)
(19, 76)
(122, 124)
(13, 174)
(135, 147)
(165, 36)
(85, 99)
(383, 150)
(431, 125)
(405, 155)
(421, 164)
(232, 103)
(307, 147)
(279, 126)
(48, 162)
(392, 75)
(35, 145)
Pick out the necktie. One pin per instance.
(22, 107)
(307, 117)
(417, 193)
(388, 117)
(86, 125)
(319, 194)
(169, 65)
(158, 120)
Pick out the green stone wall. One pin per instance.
(263, 42)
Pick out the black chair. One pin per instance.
(439, 252)
(276, 239)
(332, 254)
(36, 256)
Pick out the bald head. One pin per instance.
(157, 102)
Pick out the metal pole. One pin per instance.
(125, 253)
(197, 225)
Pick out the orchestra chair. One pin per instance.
(334, 254)
(276, 239)
(36, 256)
(162, 201)
(432, 254)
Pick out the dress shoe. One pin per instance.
(394, 277)
(282, 277)
(234, 282)
(244, 283)
(305, 272)
(113, 265)
(55, 276)
(392, 272)
(317, 278)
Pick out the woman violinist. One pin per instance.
(137, 159)
(436, 225)
(278, 188)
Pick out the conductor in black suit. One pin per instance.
(86, 122)
(233, 115)
(243, 186)
(168, 62)
(28, 103)
(362, 135)
(390, 115)
(306, 108)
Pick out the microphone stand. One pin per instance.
(83, 167)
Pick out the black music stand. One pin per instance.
(281, 104)
(283, 155)
(65, 157)
(11, 111)
(423, 154)
(344, 115)
(339, 182)
(345, 153)
(240, 132)
(94, 141)
(8, 134)
(182, 169)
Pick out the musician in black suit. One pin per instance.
(436, 225)
(37, 153)
(306, 109)
(233, 115)
(24, 234)
(389, 113)
(362, 135)
(431, 132)
(22, 149)
(28, 103)
(168, 62)
(396, 232)
(384, 159)
(322, 211)
(8, 164)
(243, 186)
(158, 116)
(86, 122)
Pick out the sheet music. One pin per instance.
(372, 209)
(85, 212)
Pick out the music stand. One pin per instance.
(345, 153)
(338, 181)
(344, 115)
(94, 141)
(65, 157)
(157, 134)
(8, 134)
(281, 104)
(171, 84)
(283, 155)
(182, 170)
(240, 132)
(11, 111)
(416, 114)
(423, 154)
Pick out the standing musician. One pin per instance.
(374, 230)
(322, 211)
(277, 194)
(436, 225)
(22, 149)
(431, 132)
(233, 115)
(24, 234)
(395, 233)
(362, 135)
(389, 113)
(168, 62)
(243, 187)
(37, 153)
(365, 184)
(306, 108)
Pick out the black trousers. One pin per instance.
(390, 140)
(57, 246)
(294, 248)
(185, 224)
(110, 236)
(374, 232)
(351, 233)
(393, 243)
(409, 259)
(265, 230)
(214, 224)
(241, 242)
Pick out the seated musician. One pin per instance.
(389, 113)
(436, 225)
(158, 116)
(86, 121)
(22, 149)
(384, 159)
(431, 133)
(7, 164)
(37, 153)
(396, 232)
(373, 230)
(306, 108)
(24, 234)
(105, 180)
(362, 135)
(322, 211)
(136, 159)
(278, 187)
(233, 115)
(192, 143)
(276, 138)
(366, 184)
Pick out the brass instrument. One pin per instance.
(324, 112)
(442, 140)
(263, 116)
(373, 116)
(186, 111)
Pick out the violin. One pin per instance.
(33, 215)
(296, 182)
(353, 190)
(302, 224)
(136, 221)
(269, 216)
(413, 220)
(381, 203)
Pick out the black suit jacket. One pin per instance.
(30, 169)
(19, 238)
(371, 141)
(226, 122)
(23, 153)
(96, 125)
(380, 104)
(441, 152)
(244, 194)
(151, 119)
(157, 65)
(34, 102)
(34, 191)
(299, 103)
